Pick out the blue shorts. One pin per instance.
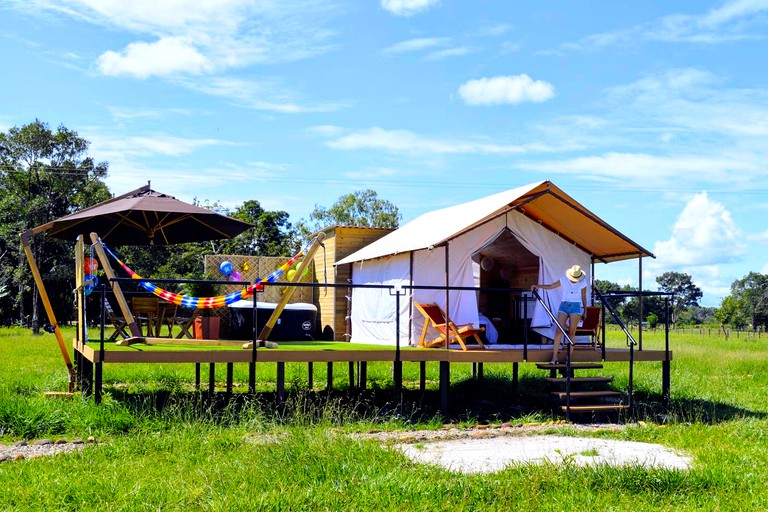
(570, 308)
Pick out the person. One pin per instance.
(572, 305)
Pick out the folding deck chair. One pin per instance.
(117, 321)
(590, 326)
(435, 318)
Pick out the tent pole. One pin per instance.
(447, 296)
(26, 239)
(118, 291)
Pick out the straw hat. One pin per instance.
(575, 274)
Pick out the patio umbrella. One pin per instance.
(143, 217)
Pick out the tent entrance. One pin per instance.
(505, 263)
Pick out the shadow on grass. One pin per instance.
(491, 399)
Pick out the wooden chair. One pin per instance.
(118, 322)
(147, 310)
(590, 326)
(435, 318)
(185, 322)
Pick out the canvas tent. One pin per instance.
(528, 234)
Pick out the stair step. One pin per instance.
(590, 408)
(586, 394)
(579, 380)
(574, 366)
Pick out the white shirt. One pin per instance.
(571, 290)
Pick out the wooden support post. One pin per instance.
(26, 241)
(310, 372)
(289, 290)
(125, 309)
(480, 372)
(351, 375)
(329, 376)
(666, 381)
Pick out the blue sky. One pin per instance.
(654, 115)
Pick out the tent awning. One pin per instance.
(543, 202)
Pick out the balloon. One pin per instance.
(226, 268)
(246, 267)
(291, 274)
(505, 272)
(486, 263)
(90, 282)
(90, 265)
(235, 276)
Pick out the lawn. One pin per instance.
(163, 446)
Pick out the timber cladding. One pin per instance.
(332, 304)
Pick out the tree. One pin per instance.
(362, 208)
(751, 295)
(270, 236)
(685, 294)
(44, 175)
(728, 314)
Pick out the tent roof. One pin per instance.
(542, 201)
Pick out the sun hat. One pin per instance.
(575, 274)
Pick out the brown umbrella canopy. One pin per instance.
(143, 217)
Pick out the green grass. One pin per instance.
(162, 446)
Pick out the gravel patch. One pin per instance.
(487, 450)
(21, 450)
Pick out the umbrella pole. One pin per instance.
(288, 292)
(118, 291)
(26, 240)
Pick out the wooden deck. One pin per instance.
(92, 359)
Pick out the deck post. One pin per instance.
(445, 382)
(516, 379)
(97, 387)
(329, 377)
(666, 382)
(351, 375)
(362, 374)
(281, 383)
(397, 376)
(310, 375)
(229, 377)
(252, 377)
(211, 378)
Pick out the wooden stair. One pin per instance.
(594, 399)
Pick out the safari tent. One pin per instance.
(508, 240)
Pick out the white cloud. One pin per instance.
(415, 45)
(505, 89)
(165, 57)
(733, 21)
(407, 7)
(405, 141)
(704, 234)
(207, 37)
(447, 53)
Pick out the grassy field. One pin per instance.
(162, 446)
